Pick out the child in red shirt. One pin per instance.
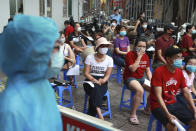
(136, 63)
(166, 81)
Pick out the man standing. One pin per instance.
(166, 81)
(116, 16)
(162, 43)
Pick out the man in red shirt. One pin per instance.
(187, 43)
(68, 30)
(162, 43)
(136, 63)
(165, 82)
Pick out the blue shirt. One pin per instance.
(118, 18)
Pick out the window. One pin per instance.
(16, 6)
(67, 8)
(45, 8)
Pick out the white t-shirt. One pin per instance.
(98, 68)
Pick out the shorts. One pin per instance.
(141, 80)
(180, 98)
(177, 109)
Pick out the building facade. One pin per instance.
(58, 10)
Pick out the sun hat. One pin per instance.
(101, 41)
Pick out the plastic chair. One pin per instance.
(158, 124)
(107, 110)
(117, 75)
(66, 78)
(127, 103)
(59, 90)
(78, 59)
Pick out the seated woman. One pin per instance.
(97, 70)
(121, 47)
(136, 63)
(190, 69)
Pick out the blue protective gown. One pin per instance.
(28, 103)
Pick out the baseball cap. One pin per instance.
(172, 50)
(169, 26)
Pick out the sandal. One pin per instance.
(134, 120)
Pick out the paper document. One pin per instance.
(151, 49)
(179, 126)
(147, 82)
(73, 71)
(90, 83)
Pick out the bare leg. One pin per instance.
(136, 86)
(99, 113)
(192, 125)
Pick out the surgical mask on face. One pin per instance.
(144, 26)
(79, 29)
(177, 63)
(123, 33)
(57, 61)
(191, 68)
(62, 40)
(138, 49)
(193, 31)
(103, 51)
(113, 24)
(81, 21)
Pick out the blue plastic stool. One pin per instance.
(59, 90)
(117, 75)
(127, 103)
(66, 78)
(158, 124)
(107, 110)
(78, 59)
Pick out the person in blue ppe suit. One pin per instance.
(28, 102)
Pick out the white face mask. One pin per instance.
(79, 28)
(144, 26)
(62, 40)
(103, 51)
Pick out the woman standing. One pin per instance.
(121, 47)
(97, 70)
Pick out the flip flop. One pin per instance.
(134, 120)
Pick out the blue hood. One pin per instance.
(25, 46)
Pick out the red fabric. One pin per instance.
(130, 60)
(68, 31)
(162, 44)
(186, 43)
(170, 83)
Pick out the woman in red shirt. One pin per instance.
(187, 42)
(136, 63)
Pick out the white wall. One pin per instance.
(75, 7)
(5, 13)
(57, 13)
(31, 7)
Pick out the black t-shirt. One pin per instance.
(76, 39)
(83, 28)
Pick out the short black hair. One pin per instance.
(119, 27)
(116, 9)
(66, 22)
(172, 50)
(82, 17)
(187, 58)
(138, 40)
(113, 20)
(144, 21)
(188, 27)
